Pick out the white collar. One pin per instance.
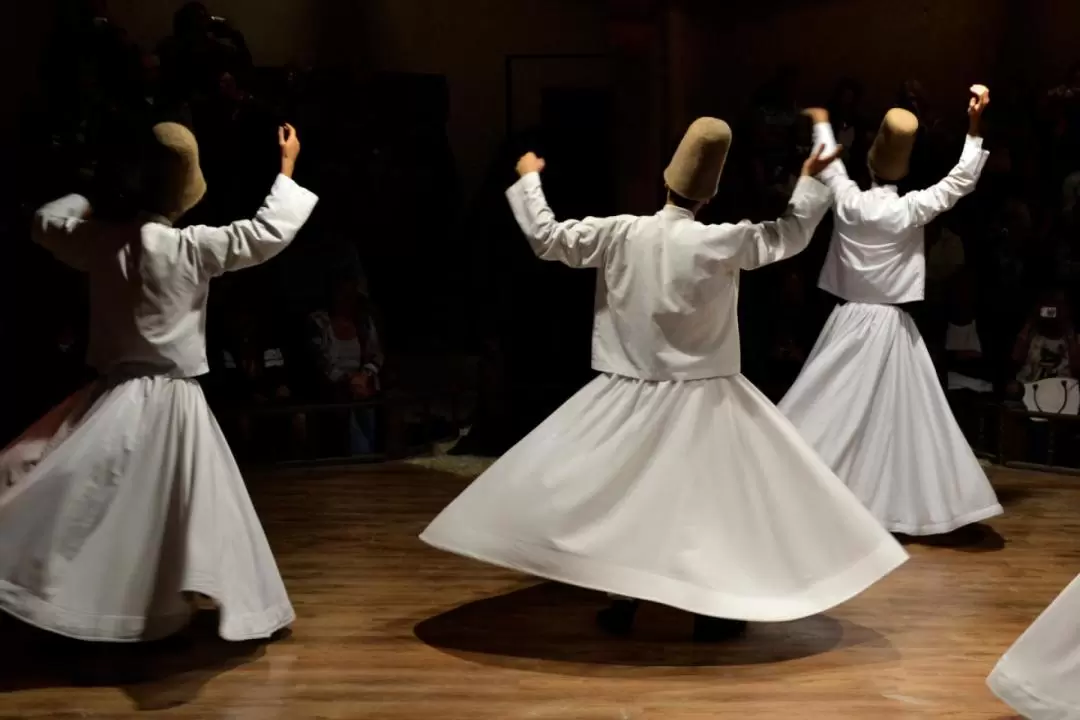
(157, 219)
(670, 209)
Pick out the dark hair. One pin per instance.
(188, 18)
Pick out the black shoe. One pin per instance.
(619, 618)
(714, 630)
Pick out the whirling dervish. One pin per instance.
(670, 478)
(124, 504)
(868, 399)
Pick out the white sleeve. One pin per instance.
(753, 245)
(835, 176)
(250, 242)
(63, 228)
(575, 243)
(925, 205)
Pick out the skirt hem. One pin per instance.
(948, 526)
(559, 566)
(32, 610)
(1024, 700)
(885, 427)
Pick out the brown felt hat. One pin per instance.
(890, 155)
(694, 172)
(173, 180)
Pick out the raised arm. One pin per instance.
(247, 243)
(753, 245)
(925, 205)
(768, 242)
(835, 176)
(576, 243)
(251, 242)
(62, 227)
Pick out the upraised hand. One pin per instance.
(980, 99)
(529, 163)
(817, 115)
(819, 160)
(289, 142)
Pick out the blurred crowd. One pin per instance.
(395, 264)
(307, 328)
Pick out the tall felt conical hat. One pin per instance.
(890, 155)
(694, 172)
(173, 182)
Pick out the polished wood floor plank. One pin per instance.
(389, 629)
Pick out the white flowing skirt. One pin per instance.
(1039, 677)
(870, 402)
(120, 500)
(698, 495)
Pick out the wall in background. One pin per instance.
(945, 45)
(22, 46)
(715, 51)
(466, 40)
(277, 32)
(1052, 30)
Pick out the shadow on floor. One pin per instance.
(155, 676)
(977, 538)
(556, 623)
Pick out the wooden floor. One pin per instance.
(390, 629)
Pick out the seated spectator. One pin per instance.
(350, 358)
(1046, 347)
(253, 374)
(965, 363)
(968, 374)
(1048, 356)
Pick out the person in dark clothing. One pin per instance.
(252, 373)
(201, 48)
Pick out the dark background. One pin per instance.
(413, 111)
